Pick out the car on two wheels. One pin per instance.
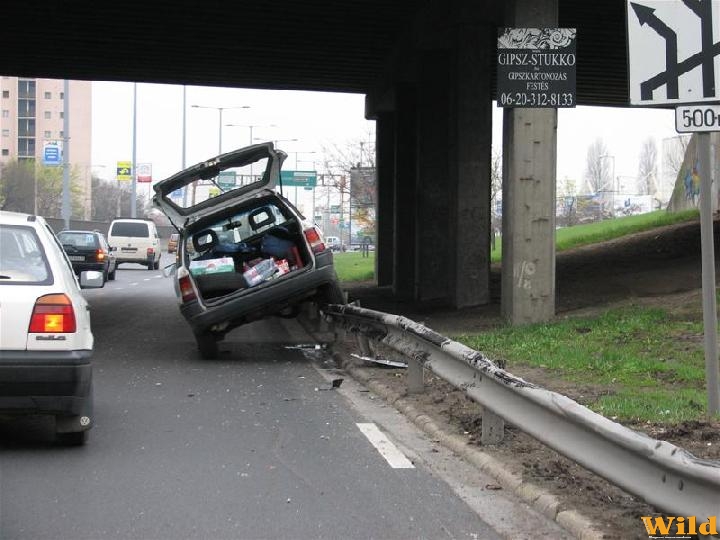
(47, 342)
(244, 251)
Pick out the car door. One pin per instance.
(218, 183)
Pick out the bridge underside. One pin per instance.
(427, 69)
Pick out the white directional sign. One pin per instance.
(673, 51)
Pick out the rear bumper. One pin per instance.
(260, 301)
(45, 382)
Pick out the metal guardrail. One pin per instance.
(664, 475)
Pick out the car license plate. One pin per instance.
(76, 258)
(128, 249)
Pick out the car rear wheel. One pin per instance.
(111, 275)
(156, 266)
(207, 345)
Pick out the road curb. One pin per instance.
(540, 499)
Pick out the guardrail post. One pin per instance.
(493, 428)
(415, 376)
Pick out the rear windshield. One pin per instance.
(124, 228)
(22, 258)
(78, 239)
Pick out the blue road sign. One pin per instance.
(52, 155)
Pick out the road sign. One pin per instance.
(124, 171)
(52, 153)
(298, 178)
(672, 51)
(536, 67)
(697, 118)
(226, 180)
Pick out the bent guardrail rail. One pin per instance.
(664, 475)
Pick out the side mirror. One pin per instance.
(170, 270)
(91, 279)
(112, 248)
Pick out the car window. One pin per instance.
(22, 258)
(78, 239)
(230, 179)
(125, 228)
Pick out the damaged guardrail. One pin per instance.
(662, 474)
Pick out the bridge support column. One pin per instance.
(405, 191)
(385, 218)
(529, 182)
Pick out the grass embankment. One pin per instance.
(636, 364)
(601, 231)
(352, 266)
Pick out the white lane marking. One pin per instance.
(134, 284)
(146, 279)
(387, 449)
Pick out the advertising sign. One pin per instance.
(124, 171)
(144, 172)
(226, 180)
(536, 67)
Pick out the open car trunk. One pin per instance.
(245, 249)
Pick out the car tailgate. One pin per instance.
(15, 312)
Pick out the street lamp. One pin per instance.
(251, 126)
(220, 123)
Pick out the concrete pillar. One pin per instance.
(435, 246)
(385, 218)
(529, 177)
(471, 152)
(405, 193)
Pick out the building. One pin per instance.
(32, 116)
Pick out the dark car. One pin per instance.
(245, 253)
(89, 250)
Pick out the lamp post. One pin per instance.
(220, 111)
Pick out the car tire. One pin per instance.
(106, 276)
(111, 275)
(207, 344)
(73, 438)
(331, 294)
(157, 265)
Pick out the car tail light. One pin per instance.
(186, 289)
(100, 255)
(53, 313)
(315, 239)
(150, 252)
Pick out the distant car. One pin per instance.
(334, 243)
(47, 342)
(135, 241)
(89, 250)
(253, 254)
(173, 243)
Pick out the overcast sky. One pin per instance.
(317, 120)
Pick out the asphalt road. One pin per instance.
(253, 445)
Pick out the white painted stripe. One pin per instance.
(146, 279)
(387, 449)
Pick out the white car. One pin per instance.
(47, 342)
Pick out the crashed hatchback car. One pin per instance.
(244, 251)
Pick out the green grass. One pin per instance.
(601, 231)
(352, 266)
(645, 364)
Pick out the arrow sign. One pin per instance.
(647, 16)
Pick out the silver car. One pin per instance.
(244, 251)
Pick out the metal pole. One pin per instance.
(708, 277)
(66, 208)
(184, 141)
(133, 191)
(220, 132)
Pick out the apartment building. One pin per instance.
(32, 116)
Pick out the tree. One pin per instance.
(111, 200)
(28, 187)
(647, 167)
(674, 150)
(598, 169)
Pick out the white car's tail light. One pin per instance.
(315, 239)
(186, 289)
(52, 314)
(150, 252)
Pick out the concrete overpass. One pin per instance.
(427, 69)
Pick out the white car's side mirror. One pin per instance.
(91, 279)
